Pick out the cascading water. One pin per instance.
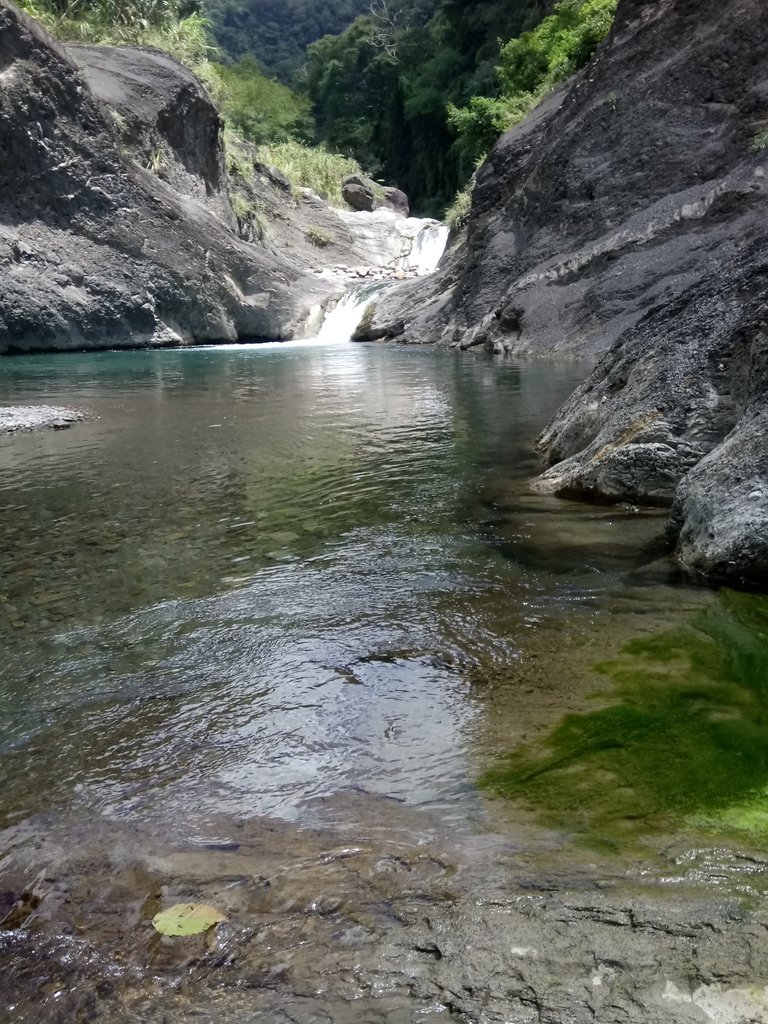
(340, 323)
(428, 246)
(428, 243)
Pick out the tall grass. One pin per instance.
(134, 23)
(310, 167)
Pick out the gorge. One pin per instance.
(433, 661)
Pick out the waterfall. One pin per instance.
(340, 323)
(428, 246)
(407, 245)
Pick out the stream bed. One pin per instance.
(286, 630)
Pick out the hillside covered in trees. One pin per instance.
(416, 92)
(277, 32)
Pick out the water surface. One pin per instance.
(274, 618)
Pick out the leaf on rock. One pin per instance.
(187, 919)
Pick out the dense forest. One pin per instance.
(277, 32)
(382, 89)
(416, 91)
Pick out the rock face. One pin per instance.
(626, 220)
(98, 251)
(162, 114)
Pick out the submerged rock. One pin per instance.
(31, 417)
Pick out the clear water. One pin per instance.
(259, 578)
(273, 620)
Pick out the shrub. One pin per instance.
(530, 66)
(251, 220)
(157, 163)
(259, 109)
(238, 157)
(557, 47)
(457, 214)
(318, 236)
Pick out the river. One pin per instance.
(286, 630)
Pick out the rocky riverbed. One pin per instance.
(366, 928)
(32, 417)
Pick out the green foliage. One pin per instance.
(411, 90)
(239, 157)
(120, 123)
(483, 120)
(686, 739)
(457, 214)
(318, 236)
(157, 163)
(251, 219)
(530, 65)
(166, 24)
(556, 48)
(760, 141)
(310, 167)
(348, 78)
(260, 109)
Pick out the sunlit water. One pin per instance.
(260, 578)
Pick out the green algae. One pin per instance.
(685, 741)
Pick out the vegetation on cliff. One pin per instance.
(424, 121)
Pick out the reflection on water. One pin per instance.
(258, 577)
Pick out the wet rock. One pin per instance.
(624, 221)
(720, 515)
(32, 417)
(338, 939)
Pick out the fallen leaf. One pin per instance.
(187, 919)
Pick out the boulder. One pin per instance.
(359, 193)
(395, 199)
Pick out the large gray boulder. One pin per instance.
(359, 193)
(395, 199)
(97, 250)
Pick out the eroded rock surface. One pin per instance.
(326, 928)
(626, 220)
